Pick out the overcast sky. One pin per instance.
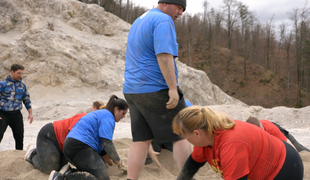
(264, 8)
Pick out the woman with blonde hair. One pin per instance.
(234, 149)
(48, 154)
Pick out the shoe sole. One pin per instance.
(28, 150)
(64, 169)
(51, 175)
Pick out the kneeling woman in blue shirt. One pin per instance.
(88, 137)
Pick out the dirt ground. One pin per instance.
(13, 167)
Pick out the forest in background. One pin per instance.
(260, 63)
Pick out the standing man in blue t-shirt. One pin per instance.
(12, 94)
(151, 84)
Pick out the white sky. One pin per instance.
(264, 8)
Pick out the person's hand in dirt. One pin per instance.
(121, 166)
(154, 155)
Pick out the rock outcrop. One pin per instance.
(74, 53)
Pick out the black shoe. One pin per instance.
(148, 160)
(31, 150)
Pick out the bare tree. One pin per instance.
(269, 33)
(120, 8)
(256, 36)
(299, 18)
(127, 11)
(189, 37)
(282, 28)
(218, 21)
(287, 43)
(211, 17)
(205, 4)
(231, 8)
(306, 55)
(244, 15)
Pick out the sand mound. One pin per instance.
(13, 167)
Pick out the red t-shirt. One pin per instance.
(273, 129)
(62, 127)
(243, 150)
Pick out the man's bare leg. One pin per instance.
(136, 158)
(181, 151)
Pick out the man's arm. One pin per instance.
(30, 117)
(166, 65)
(27, 103)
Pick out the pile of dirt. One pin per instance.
(13, 167)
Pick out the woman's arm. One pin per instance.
(109, 148)
(112, 153)
(243, 178)
(189, 169)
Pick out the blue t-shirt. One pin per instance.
(188, 104)
(151, 34)
(92, 127)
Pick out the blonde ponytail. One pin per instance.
(99, 105)
(197, 117)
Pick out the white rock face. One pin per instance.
(74, 54)
(65, 44)
(199, 90)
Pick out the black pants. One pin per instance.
(293, 167)
(15, 121)
(297, 145)
(48, 155)
(85, 159)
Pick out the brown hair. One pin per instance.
(99, 105)
(114, 101)
(16, 67)
(254, 121)
(197, 117)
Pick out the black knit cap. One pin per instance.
(178, 2)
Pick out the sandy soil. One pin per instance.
(13, 167)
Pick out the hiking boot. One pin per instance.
(30, 152)
(54, 175)
(66, 169)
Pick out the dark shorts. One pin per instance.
(150, 119)
(159, 146)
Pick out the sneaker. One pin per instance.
(148, 160)
(54, 175)
(30, 151)
(66, 169)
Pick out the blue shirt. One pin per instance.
(94, 126)
(188, 104)
(12, 94)
(151, 34)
